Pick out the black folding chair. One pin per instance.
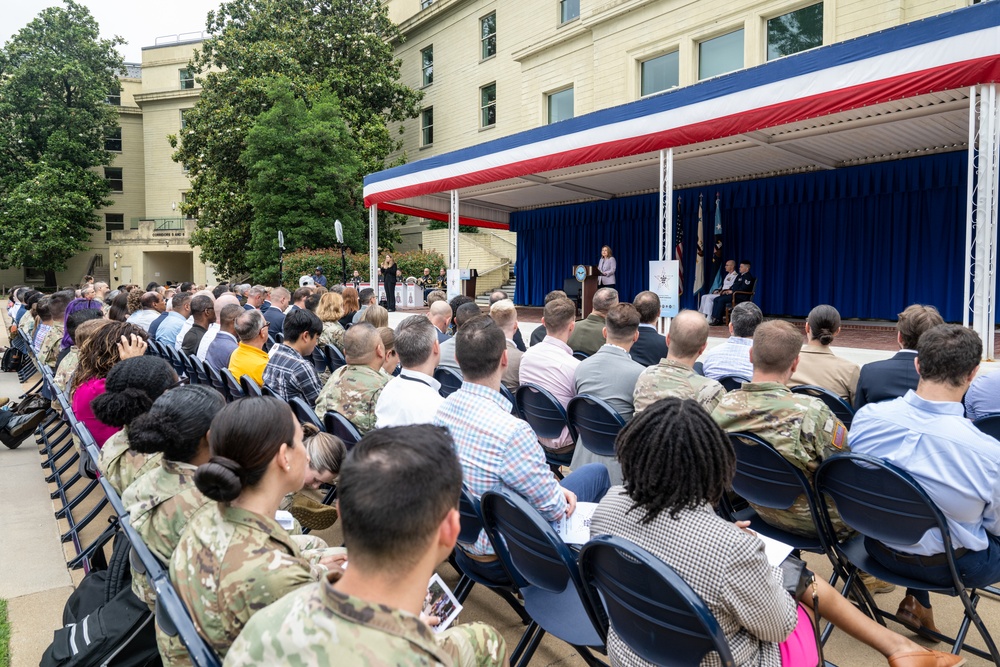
(340, 426)
(201, 375)
(732, 382)
(233, 388)
(319, 360)
(547, 418)
(990, 425)
(304, 413)
(652, 609)
(596, 423)
(505, 392)
(840, 408)
(250, 386)
(699, 368)
(449, 379)
(334, 357)
(580, 355)
(215, 379)
(544, 570)
(886, 505)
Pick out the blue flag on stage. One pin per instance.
(717, 254)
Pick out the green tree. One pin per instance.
(55, 75)
(303, 168)
(344, 46)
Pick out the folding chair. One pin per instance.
(547, 418)
(215, 379)
(250, 386)
(580, 355)
(651, 608)
(233, 387)
(595, 422)
(839, 406)
(886, 505)
(304, 413)
(319, 360)
(545, 572)
(732, 382)
(334, 357)
(699, 368)
(505, 392)
(449, 379)
(990, 425)
(176, 360)
(340, 426)
(200, 368)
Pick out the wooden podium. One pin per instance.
(587, 277)
(469, 281)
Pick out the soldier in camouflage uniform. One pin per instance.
(48, 353)
(353, 390)
(369, 614)
(121, 465)
(803, 429)
(675, 376)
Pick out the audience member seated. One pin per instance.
(465, 312)
(368, 297)
(249, 357)
(983, 397)
(370, 613)
(675, 376)
(165, 331)
(376, 315)
(255, 297)
(412, 397)
(539, 333)
(497, 449)
(89, 306)
(105, 348)
(213, 329)
(551, 364)
(818, 365)
(504, 313)
(351, 305)
(892, 378)
(299, 297)
(203, 314)
(677, 465)
(517, 338)
(48, 351)
(390, 366)
(162, 501)
(705, 306)
(742, 292)
(131, 387)
(152, 305)
(290, 372)
(651, 346)
(455, 303)
(440, 315)
(802, 428)
(221, 349)
(79, 331)
(326, 455)
(436, 295)
(234, 558)
(610, 375)
(926, 434)
(275, 315)
(588, 336)
(353, 390)
(733, 356)
(44, 323)
(329, 311)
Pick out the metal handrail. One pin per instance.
(495, 268)
(508, 241)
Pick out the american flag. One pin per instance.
(679, 248)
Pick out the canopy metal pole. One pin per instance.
(373, 247)
(666, 238)
(989, 158)
(453, 230)
(970, 195)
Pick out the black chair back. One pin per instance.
(334, 357)
(699, 368)
(839, 406)
(233, 387)
(732, 382)
(340, 426)
(449, 379)
(580, 355)
(471, 517)
(319, 360)
(652, 609)
(250, 386)
(200, 368)
(176, 360)
(215, 379)
(990, 425)
(304, 413)
(505, 392)
(595, 422)
(542, 411)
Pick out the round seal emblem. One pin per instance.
(581, 273)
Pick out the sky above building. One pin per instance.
(139, 22)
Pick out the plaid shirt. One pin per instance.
(288, 374)
(498, 450)
(730, 358)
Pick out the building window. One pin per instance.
(488, 35)
(187, 79)
(568, 10)
(183, 119)
(424, 4)
(115, 97)
(488, 105)
(113, 140)
(721, 54)
(113, 222)
(189, 213)
(114, 176)
(560, 105)
(32, 275)
(427, 127)
(427, 64)
(795, 31)
(660, 73)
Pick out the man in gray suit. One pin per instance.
(610, 375)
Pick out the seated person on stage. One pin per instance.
(892, 378)
(926, 434)
(651, 346)
(497, 449)
(290, 372)
(370, 613)
(225, 343)
(439, 314)
(504, 314)
(675, 376)
(733, 356)
(818, 365)
(744, 283)
(427, 282)
(551, 364)
(412, 397)
(501, 296)
(249, 357)
(353, 389)
(442, 280)
(677, 465)
(610, 375)
(588, 336)
(463, 314)
(801, 428)
(707, 303)
(539, 333)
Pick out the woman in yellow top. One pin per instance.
(818, 365)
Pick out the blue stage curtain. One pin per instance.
(868, 240)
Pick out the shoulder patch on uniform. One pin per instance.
(839, 435)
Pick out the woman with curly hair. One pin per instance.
(329, 311)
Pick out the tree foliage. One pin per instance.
(340, 46)
(55, 75)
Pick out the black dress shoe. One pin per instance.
(22, 424)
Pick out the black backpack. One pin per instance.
(105, 623)
(12, 361)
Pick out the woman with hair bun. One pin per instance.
(161, 502)
(818, 365)
(234, 558)
(129, 391)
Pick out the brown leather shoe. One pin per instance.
(925, 658)
(4, 401)
(916, 617)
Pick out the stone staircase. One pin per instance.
(483, 300)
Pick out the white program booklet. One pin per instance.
(575, 528)
(775, 551)
(440, 605)
(285, 519)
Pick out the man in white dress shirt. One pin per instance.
(412, 397)
(708, 300)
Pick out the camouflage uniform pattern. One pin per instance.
(318, 625)
(333, 334)
(122, 466)
(27, 324)
(160, 504)
(48, 352)
(353, 391)
(64, 373)
(801, 428)
(669, 378)
(228, 565)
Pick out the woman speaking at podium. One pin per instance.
(606, 267)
